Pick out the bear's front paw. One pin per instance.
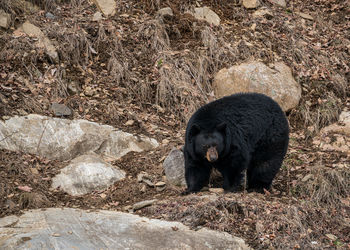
(186, 192)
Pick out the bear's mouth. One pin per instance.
(212, 154)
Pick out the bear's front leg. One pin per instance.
(197, 176)
(232, 171)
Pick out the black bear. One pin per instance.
(246, 131)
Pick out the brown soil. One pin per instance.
(156, 73)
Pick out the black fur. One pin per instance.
(248, 131)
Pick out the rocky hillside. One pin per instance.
(103, 93)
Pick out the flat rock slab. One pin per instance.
(64, 139)
(68, 228)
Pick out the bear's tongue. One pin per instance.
(212, 154)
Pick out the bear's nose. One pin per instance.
(212, 154)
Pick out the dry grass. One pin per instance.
(326, 186)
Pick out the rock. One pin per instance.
(251, 4)
(49, 15)
(97, 16)
(278, 83)
(143, 175)
(148, 182)
(85, 174)
(5, 19)
(331, 237)
(167, 11)
(43, 41)
(281, 3)
(143, 188)
(305, 16)
(63, 139)
(107, 7)
(129, 123)
(174, 167)
(207, 15)
(160, 186)
(143, 204)
(335, 137)
(262, 12)
(60, 109)
(73, 88)
(80, 229)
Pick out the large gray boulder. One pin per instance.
(63, 139)
(174, 167)
(276, 82)
(57, 228)
(85, 174)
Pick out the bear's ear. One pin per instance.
(221, 127)
(194, 130)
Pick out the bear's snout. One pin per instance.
(212, 154)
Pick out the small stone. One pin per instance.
(143, 204)
(148, 182)
(206, 14)
(97, 16)
(143, 175)
(331, 237)
(49, 15)
(262, 12)
(60, 109)
(165, 12)
(253, 26)
(165, 141)
(34, 171)
(4, 19)
(305, 16)
(251, 4)
(89, 91)
(73, 88)
(129, 122)
(160, 184)
(281, 3)
(107, 7)
(143, 188)
(160, 189)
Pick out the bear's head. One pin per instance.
(208, 144)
